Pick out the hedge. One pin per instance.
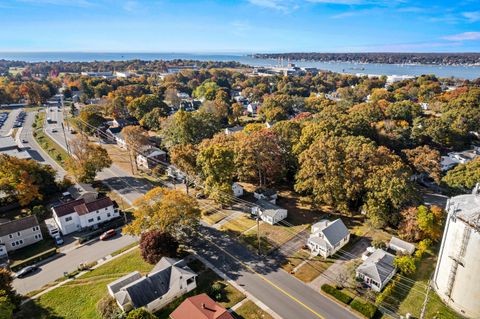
(34, 259)
(366, 309)
(337, 294)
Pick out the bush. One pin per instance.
(366, 309)
(108, 309)
(34, 259)
(140, 313)
(337, 294)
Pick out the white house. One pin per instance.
(454, 158)
(252, 108)
(169, 279)
(116, 133)
(328, 237)
(377, 269)
(19, 233)
(175, 173)
(78, 214)
(237, 190)
(149, 157)
(267, 194)
(401, 246)
(268, 212)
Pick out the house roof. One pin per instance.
(378, 266)
(80, 207)
(123, 281)
(156, 284)
(200, 307)
(17, 225)
(265, 191)
(268, 208)
(98, 204)
(318, 240)
(335, 231)
(402, 245)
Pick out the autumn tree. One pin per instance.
(426, 160)
(259, 157)
(216, 160)
(277, 107)
(166, 210)
(87, 159)
(135, 137)
(184, 157)
(6, 306)
(7, 294)
(156, 244)
(418, 223)
(153, 119)
(25, 180)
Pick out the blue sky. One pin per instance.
(240, 26)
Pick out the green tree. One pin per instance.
(464, 176)
(140, 106)
(90, 119)
(277, 107)
(216, 161)
(6, 306)
(87, 160)
(405, 264)
(153, 119)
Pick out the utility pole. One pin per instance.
(258, 230)
(66, 141)
(425, 302)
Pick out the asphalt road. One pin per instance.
(69, 262)
(285, 294)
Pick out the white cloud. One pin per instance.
(281, 5)
(465, 36)
(472, 16)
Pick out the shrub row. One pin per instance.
(366, 309)
(34, 259)
(337, 294)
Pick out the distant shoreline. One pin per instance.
(400, 59)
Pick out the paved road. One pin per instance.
(69, 262)
(285, 294)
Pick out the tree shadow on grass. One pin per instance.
(32, 310)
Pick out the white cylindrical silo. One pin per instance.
(457, 275)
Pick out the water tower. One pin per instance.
(457, 275)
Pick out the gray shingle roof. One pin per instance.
(335, 231)
(123, 281)
(403, 245)
(378, 266)
(13, 226)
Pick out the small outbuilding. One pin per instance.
(401, 246)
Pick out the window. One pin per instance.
(18, 233)
(10, 236)
(21, 242)
(108, 214)
(99, 218)
(13, 244)
(90, 220)
(67, 219)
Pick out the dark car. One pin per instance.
(108, 234)
(27, 270)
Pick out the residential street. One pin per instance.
(69, 262)
(277, 289)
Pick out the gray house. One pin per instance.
(377, 269)
(16, 234)
(169, 279)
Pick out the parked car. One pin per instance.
(54, 130)
(108, 234)
(200, 196)
(27, 270)
(58, 240)
(24, 141)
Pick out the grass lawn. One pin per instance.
(279, 234)
(409, 298)
(313, 268)
(239, 225)
(53, 149)
(212, 217)
(78, 299)
(249, 310)
(30, 251)
(296, 259)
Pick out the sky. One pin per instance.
(240, 26)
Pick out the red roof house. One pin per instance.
(200, 307)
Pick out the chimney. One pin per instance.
(203, 305)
